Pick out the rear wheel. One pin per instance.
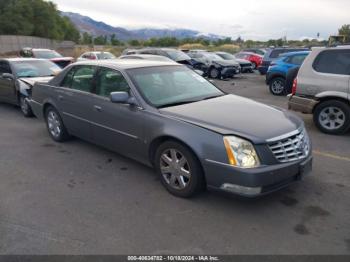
(179, 169)
(25, 106)
(277, 86)
(332, 117)
(254, 66)
(55, 125)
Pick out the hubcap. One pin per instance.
(253, 65)
(54, 124)
(214, 73)
(332, 118)
(277, 87)
(175, 169)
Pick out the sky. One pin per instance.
(250, 19)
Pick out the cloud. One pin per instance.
(255, 19)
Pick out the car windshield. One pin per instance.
(212, 56)
(177, 55)
(46, 54)
(32, 68)
(227, 56)
(105, 55)
(172, 85)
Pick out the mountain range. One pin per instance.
(97, 28)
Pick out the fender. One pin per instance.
(338, 94)
(273, 75)
(23, 88)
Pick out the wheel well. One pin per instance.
(327, 98)
(160, 140)
(45, 107)
(271, 78)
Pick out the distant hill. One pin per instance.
(96, 28)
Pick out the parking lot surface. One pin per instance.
(78, 198)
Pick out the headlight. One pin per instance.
(240, 152)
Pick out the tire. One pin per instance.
(55, 126)
(25, 106)
(186, 178)
(332, 117)
(254, 66)
(277, 86)
(214, 73)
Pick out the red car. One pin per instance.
(255, 59)
(49, 54)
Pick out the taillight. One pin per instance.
(294, 87)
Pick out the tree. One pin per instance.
(345, 31)
(35, 18)
(86, 39)
(100, 40)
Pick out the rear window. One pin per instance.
(333, 62)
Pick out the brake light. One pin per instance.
(294, 87)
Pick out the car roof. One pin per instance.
(37, 49)
(22, 59)
(124, 64)
(296, 53)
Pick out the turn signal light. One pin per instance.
(294, 87)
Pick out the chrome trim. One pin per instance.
(99, 125)
(35, 102)
(220, 163)
(277, 138)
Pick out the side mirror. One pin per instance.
(7, 76)
(122, 98)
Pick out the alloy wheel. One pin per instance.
(24, 105)
(277, 87)
(54, 124)
(175, 169)
(332, 118)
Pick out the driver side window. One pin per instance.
(108, 81)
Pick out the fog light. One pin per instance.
(242, 190)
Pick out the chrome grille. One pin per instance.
(291, 148)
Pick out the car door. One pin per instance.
(7, 85)
(116, 126)
(74, 100)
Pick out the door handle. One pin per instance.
(98, 108)
(60, 98)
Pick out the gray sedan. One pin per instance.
(167, 116)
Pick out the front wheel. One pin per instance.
(214, 73)
(277, 86)
(55, 125)
(179, 170)
(25, 106)
(332, 117)
(254, 66)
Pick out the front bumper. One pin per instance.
(301, 104)
(257, 181)
(230, 71)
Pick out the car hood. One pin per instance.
(234, 115)
(226, 62)
(32, 80)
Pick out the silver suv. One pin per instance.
(322, 89)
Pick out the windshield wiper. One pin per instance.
(211, 97)
(178, 103)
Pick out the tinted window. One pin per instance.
(297, 59)
(333, 62)
(109, 81)
(4, 67)
(80, 78)
(276, 52)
